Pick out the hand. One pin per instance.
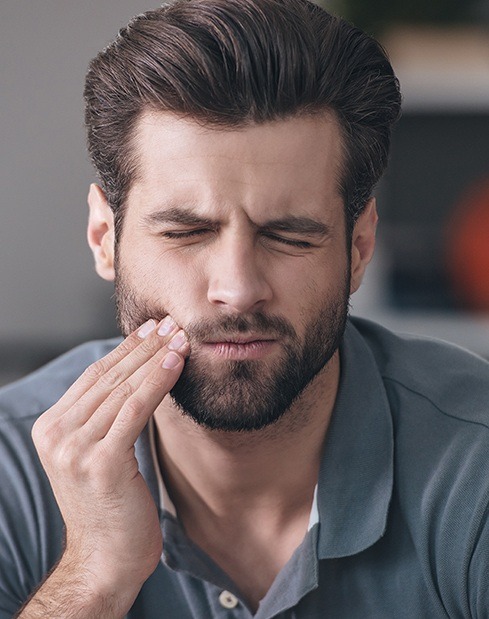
(86, 445)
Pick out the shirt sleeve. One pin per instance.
(31, 528)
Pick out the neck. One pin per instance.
(274, 471)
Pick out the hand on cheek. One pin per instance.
(86, 445)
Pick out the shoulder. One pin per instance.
(438, 396)
(451, 379)
(32, 395)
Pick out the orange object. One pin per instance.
(468, 248)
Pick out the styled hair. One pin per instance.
(233, 63)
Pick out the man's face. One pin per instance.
(240, 236)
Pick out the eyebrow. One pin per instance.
(298, 225)
(181, 216)
(291, 224)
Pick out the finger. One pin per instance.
(93, 373)
(117, 377)
(137, 410)
(105, 375)
(102, 419)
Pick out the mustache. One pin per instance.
(132, 312)
(257, 323)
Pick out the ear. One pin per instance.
(100, 232)
(363, 244)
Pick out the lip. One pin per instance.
(240, 339)
(240, 348)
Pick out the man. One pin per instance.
(247, 450)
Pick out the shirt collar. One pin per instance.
(356, 473)
(164, 501)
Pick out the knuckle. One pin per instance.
(101, 367)
(129, 414)
(155, 380)
(133, 408)
(43, 422)
(73, 460)
(59, 454)
(37, 432)
(148, 345)
(67, 458)
(111, 379)
(127, 344)
(123, 391)
(96, 371)
(45, 436)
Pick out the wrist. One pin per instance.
(75, 591)
(107, 586)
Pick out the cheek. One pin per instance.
(297, 295)
(320, 289)
(175, 284)
(315, 278)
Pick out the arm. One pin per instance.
(86, 445)
(66, 592)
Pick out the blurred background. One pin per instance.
(431, 271)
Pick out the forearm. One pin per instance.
(68, 593)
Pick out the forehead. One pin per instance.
(274, 165)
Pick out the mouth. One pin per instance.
(240, 348)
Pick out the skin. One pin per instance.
(86, 445)
(254, 513)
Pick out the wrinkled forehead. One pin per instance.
(278, 164)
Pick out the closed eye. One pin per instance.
(290, 242)
(185, 234)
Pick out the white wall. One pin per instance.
(49, 291)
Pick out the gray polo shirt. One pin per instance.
(402, 496)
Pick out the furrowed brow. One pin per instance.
(298, 225)
(178, 216)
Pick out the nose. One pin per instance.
(237, 278)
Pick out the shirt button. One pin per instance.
(228, 600)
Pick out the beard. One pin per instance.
(242, 396)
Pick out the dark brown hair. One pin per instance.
(229, 63)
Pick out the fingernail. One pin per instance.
(177, 341)
(147, 328)
(171, 361)
(167, 326)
